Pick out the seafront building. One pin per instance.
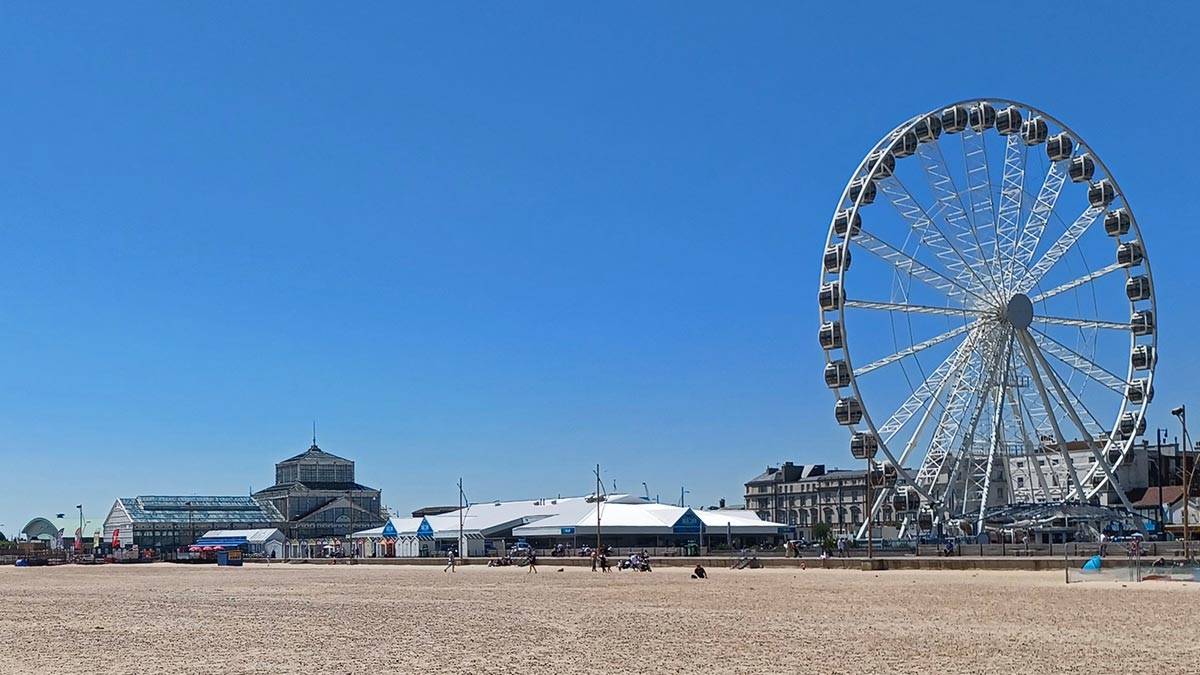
(315, 501)
(625, 522)
(802, 495)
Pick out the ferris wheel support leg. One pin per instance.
(1102, 462)
(1001, 387)
(1027, 346)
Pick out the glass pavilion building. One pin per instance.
(315, 499)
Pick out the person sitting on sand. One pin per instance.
(699, 572)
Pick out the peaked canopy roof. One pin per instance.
(314, 452)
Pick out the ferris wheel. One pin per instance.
(995, 338)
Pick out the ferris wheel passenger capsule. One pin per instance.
(1102, 193)
(954, 119)
(864, 445)
(1009, 121)
(831, 296)
(837, 259)
(863, 187)
(1142, 322)
(1138, 288)
(1116, 223)
(837, 374)
(830, 335)
(905, 145)
(884, 163)
(1034, 131)
(1129, 254)
(1129, 425)
(1142, 357)
(982, 116)
(1139, 391)
(1059, 147)
(843, 223)
(1082, 168)
(928, 128)
(848, 411)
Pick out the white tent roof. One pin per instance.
(259, 536)
(619, 513)
(647, 518)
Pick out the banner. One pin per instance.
(116, 541)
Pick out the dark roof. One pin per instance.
(314, 452)
(1149, 498)
(433, 511)
(334, 485)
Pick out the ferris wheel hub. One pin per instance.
(1019, 311)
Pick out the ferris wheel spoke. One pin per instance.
(909, 265)
(1077, 282)
(1059, 248)
(1080, 323)
(1039, 215)
(979, 196)
(1079, 362)
(922, 222)
(926, 395)
(909, 308)
(1011, 203)
(953, 211)
(914, 349)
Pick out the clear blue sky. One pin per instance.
(502, 242)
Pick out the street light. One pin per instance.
(1188, 470)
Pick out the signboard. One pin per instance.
(389, 530)
(688, 523)
(425, 529)
(566, 530)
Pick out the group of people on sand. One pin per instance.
(636, 561)
(639, 562)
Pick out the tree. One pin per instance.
(821, 531)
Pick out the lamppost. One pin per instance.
(1188, 470)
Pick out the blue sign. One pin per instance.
(424, 529)
(688, 523)
(566, 530)
(389, 530)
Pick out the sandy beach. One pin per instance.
(351, 619)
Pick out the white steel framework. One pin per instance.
(1001, 294)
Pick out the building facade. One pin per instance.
(314, 499)
(803, 495)
(318, 497)
(169, 522)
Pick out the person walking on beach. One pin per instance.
(450, 561)
(532, 562)
(595, 559)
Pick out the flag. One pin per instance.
(116, 542)
(79, 539)
(58, 539)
